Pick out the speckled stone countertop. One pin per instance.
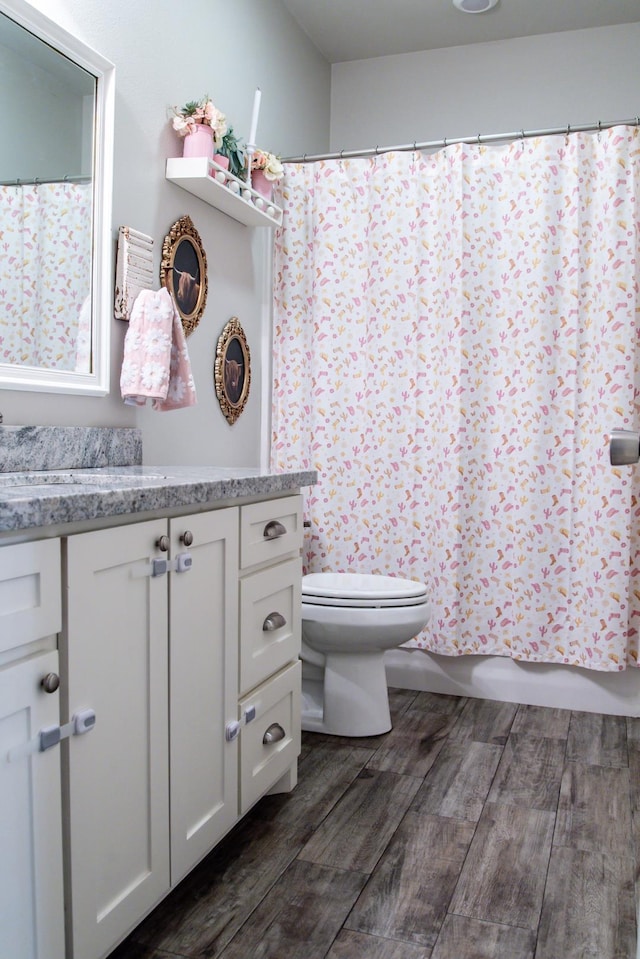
(47, 498)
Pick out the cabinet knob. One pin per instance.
(50, 682)
(163, 544)
(187, 537)
(274, 734)
(274, 529)
(272, 622)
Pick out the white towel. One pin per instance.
(156, 363)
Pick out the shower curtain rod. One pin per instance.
(54, 179)
(479, 138)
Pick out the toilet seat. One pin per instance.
(361, 590)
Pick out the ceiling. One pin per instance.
(359, 29)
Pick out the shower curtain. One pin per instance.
(45, 275)
(455, 334)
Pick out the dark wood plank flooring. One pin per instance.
(473, 830)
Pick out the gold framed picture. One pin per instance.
(183, 271)
(232, 370)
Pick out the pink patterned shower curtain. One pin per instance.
(455, 334)
(45, 275)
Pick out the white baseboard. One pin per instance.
(506, 680)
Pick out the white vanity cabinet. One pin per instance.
(31, 886)
(148, 797)
(187, 729)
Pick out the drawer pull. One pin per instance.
(272, 622)
(274, 529)
(50, 682)
(274, 734)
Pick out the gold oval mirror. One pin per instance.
(183, 271)
(232, 370)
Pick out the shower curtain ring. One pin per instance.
(444, 143)
(599, 129)
(478, 139)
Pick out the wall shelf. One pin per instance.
(220, 189)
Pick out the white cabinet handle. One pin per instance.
(274, 529)
(272, 622)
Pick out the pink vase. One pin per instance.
(221, 161)
(261, 185)
(199, 143)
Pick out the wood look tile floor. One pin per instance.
(473, 830)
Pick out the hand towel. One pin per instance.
(156, 363)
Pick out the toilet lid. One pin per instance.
(361, 589)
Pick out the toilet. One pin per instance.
(348, 621)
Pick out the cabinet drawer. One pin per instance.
(277, 706)
(269, 530)
(270, 612)
(29, 592)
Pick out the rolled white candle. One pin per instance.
(254, 117)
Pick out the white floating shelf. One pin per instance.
(219, 188)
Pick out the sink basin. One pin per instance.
(45, 478)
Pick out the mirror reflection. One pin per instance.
(45, 205)
(55, 206)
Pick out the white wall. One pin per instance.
(166, 53)
(531, 83)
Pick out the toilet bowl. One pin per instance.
(348, 621)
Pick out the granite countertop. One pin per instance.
(52, 497)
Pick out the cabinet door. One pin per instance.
(115, 647)
(204, 681)
(31, 903)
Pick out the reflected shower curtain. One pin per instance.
(455, 334)
(45, 275)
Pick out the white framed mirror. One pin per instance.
(56, 172)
